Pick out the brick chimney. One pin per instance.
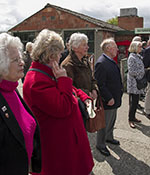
(129, 19)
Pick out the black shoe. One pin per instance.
(131, 124)
(136, 120)
(115, 142)
(104, 151)
(139, 107)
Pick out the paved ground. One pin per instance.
(132, 157)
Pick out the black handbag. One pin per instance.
(84, 111)
(141, 83)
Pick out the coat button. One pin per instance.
(6, 115)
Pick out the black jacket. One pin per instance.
(107, 74)
(13, 155)
(146, 61)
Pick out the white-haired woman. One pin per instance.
(135, 71)
(19, 132)
(49, 93)
(77, 65)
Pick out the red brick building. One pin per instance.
(65, 22)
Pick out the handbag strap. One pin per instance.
(99, 102)
(38, 70)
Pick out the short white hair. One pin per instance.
(29, 45)
(137, 38)
(7, 42)
(76, 39)
(106, 43)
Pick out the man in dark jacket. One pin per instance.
(108, 77)
(146, 60)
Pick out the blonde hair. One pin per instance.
(46, 46)
(133, 48)
(148, 42)
(7, 42)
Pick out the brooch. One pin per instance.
(4, 109)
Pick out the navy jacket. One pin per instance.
(146, 61)
(107, 74)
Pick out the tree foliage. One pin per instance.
(113, 21)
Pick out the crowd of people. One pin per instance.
(138, 66)
(47, 122)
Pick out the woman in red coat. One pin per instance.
(65, 146)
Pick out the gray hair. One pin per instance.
(7, 42)
(46, 46)
(107, 43)
(76, 39)
(137, 38)
(28, 46)
(133, 48)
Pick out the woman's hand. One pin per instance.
(93, 94)
(87, 102)
(58, 71)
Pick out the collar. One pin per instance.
(8, 86)
(109, 58)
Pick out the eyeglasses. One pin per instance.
(16, 60)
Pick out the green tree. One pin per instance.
(113, 21)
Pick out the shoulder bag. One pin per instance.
(98, 121)
(141, 83)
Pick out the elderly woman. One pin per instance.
(77, 65)
(19, 132)
(135, 71)
(49, 93)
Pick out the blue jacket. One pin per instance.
(107, 74)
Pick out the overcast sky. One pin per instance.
(13, 12)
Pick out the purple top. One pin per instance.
(24, 119)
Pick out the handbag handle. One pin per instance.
(43, 72)
(99, 103)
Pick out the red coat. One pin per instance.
(65, 146)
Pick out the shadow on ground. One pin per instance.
(121, 161)
(143, 128)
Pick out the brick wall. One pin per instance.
(130, 22)
(52, 18)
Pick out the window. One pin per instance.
(43, 18)
(25, 36)
(52, 18)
